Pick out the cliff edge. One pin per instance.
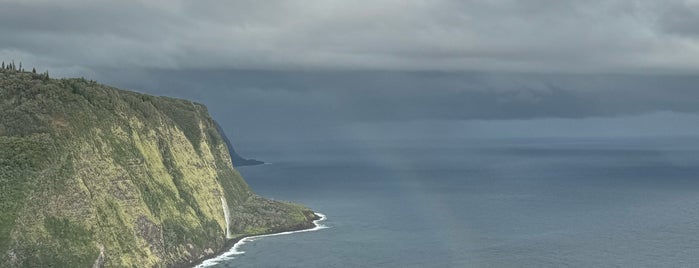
(94, 176)
(238, 161)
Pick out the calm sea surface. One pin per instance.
(630, 202)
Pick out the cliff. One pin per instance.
(238, 160)
(95, 176)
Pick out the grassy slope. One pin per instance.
(86, 168)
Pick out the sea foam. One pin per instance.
(235, 250)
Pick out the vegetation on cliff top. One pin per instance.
(93, 175)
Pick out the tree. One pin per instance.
(3, 64)
(34, 70)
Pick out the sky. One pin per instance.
(312, 69)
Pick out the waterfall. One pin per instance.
(99, 262)
(226, 215)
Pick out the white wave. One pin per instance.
(229, 255)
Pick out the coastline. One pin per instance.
(230, 249)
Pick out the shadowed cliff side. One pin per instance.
(238, 161)
(93, 175)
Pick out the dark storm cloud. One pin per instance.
(405, 96)
(297, 105)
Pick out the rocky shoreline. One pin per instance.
(231, 243)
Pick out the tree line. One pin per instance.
(11, 66)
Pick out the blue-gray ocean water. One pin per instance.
(597, 202)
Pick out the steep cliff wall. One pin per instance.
(93, 175)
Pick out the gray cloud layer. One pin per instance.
(278, 66)
(385, 96)
(286, 101)
(598, 36)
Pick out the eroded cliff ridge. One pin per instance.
(91, 175)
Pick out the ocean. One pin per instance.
(539, 202)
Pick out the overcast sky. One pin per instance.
(318, 62)
(653, 36)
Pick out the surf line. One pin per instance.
(235, 250)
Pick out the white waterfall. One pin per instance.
(227, 216)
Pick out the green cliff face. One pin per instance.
(93, 175)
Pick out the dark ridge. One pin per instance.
(238, 161)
